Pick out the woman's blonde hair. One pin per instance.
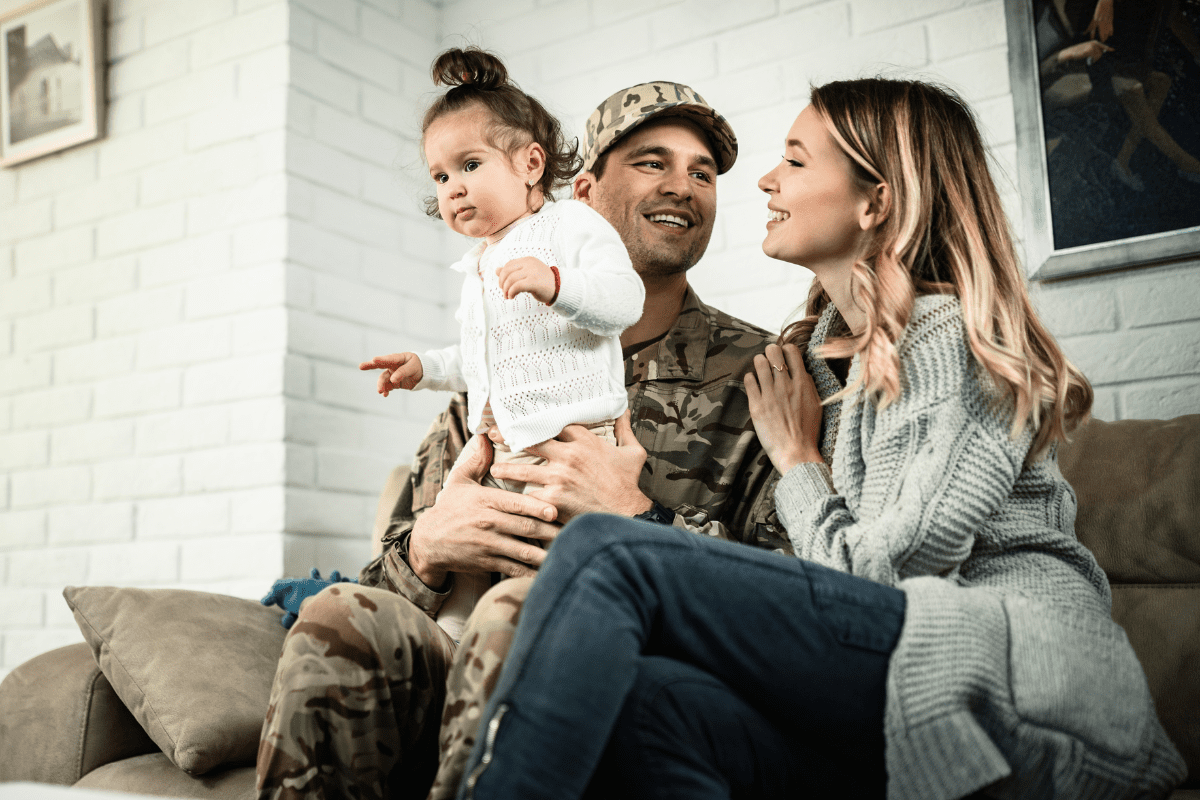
(945, 233)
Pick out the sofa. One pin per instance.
(167, 694)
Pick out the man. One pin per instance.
(363, 674)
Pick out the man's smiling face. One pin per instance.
(659, 191)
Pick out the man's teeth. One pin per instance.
(674, 222)
(776, 216)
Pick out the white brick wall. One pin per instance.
(183, 304)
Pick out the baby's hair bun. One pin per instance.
(469, 67)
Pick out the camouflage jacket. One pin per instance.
(688, 410)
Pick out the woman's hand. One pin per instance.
(785, 407)
(1091, 50)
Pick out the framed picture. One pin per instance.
(51, 78)
(1107, 103)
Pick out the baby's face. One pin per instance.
(479, 191)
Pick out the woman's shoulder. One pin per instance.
(935, 355)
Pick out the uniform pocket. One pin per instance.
(1076, 673)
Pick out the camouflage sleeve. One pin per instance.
(390, 570)
(750, 518)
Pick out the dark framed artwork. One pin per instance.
(1107, 101)
(51, 78)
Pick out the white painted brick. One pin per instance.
(22, 608)
(22, 529)
(160, 476)
(324, 165)
(151, 66)
(348, 387)
(140, 229)
(393, 36)
(257, 421)
(323, 337)
(88, 524)
(300, 199)
(58, 613)
(260, 242)
(1070, 310)
(348, 52)
(234, 379)
(346, 553)
(191, 93)
(180, 261)
(266, 69)
(968, 30)
(337, 11)
(253, 113)
(227, 557)
(250, 5)
(186, 429)
(262, 331)
(313, 511)
(224, 210)
(998, 126)
(357, 303)
(25, 295)
(92, 441)
(302, 29)
(597, 49)
(95, 280)
(466, 16)
(42, 487)
(55, 328)
(322, 249)
(59, 249)
(257, 510)
(317, 79)
(6, 339)
(302, 113)
(144, 563)
(975, 76)
(138, 394)
(20, 645)
(176, 517)
(28, 219)
(423, 319)
(762, 42)
(238, 467)
(236, 290)
(181, 345)
(24, 372)
(697, 19)
(51, 407)
(1105, 404)
(301, 466)
(348, 471)
(887, 52)
(299, 283)
(1164, 399)
(125, 114)
(423, 17)
(241, 35)
(1166, 297)
(873, 15)
(125, 38)
(355, 219)
(297, 377)
(174, 20)
(394, 190)
(23, 450)
(1135, 355)
(99, 359)
(96, 201)
(311, 423)
(148, 309)
(511, 34)
(358, 137)
(56, 173)
(138, 149)
(8, 188)
(415, 280)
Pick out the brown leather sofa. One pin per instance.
(1138, 484)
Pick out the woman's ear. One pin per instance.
(532, 163)
(876, 208)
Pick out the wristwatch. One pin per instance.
(657, 513)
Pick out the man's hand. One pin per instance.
(400, 371)
(527, 274)
(583, 473)
(473, 528)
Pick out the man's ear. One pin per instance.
(876, 207)
(585, 184)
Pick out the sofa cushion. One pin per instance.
(155, 775)
(194, 668)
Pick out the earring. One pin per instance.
(532, 182)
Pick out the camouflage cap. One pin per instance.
(628, 108)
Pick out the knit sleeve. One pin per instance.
(442, 370)
(599, 289)
(924, 477)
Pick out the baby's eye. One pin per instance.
(441, 177)
(471, 166)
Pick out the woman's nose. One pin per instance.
(767, 182)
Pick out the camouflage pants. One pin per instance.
(473, 674)
(356, 699)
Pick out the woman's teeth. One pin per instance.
(776, 216)
(674, 222)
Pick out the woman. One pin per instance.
(942, 630)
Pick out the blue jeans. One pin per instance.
(786, 652)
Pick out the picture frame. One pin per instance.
(51, 78)
(1101, 187)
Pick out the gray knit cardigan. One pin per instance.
(1010, 673)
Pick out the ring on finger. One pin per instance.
(777, 368)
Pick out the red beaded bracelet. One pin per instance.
(557, 285)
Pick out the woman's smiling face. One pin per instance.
(817, 205)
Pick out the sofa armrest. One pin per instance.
(60, 719)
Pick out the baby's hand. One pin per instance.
(400, 371)
(527, 275)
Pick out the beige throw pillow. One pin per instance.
(195, 669)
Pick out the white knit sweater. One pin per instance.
(543, 367)
(1009, 672)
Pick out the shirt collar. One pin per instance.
(681, 353)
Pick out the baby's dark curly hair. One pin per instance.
(476, 76)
